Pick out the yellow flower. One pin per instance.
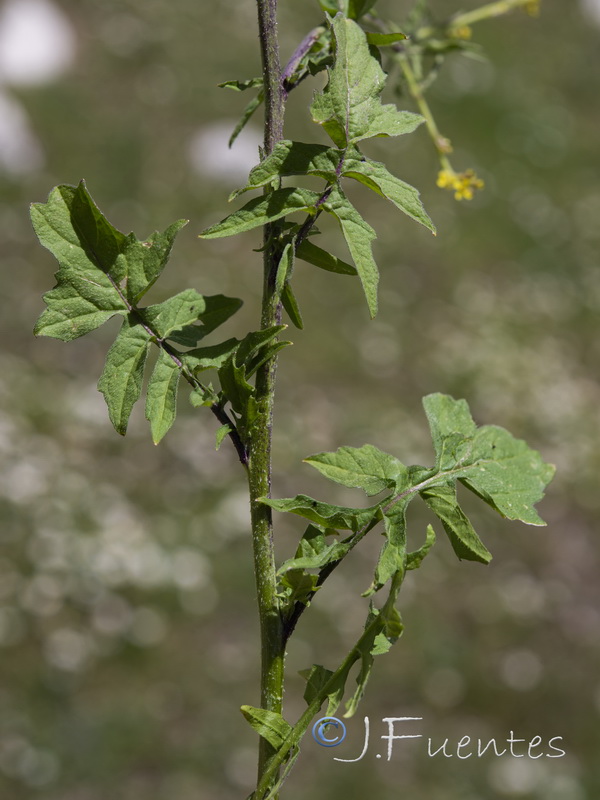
(463, 184)
(463, 32)
(532, 7)
(445, 179)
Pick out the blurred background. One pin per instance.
(128, 633)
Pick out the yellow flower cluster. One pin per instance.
(532, 7)
(463, 184)
(463, 32)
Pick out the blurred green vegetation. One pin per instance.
(128, 634)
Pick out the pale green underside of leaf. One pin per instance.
(502, 470)
(415, 559)
(121, 380)
(262, 210)
(349, 108)
(241, 86)
(324, 514)
(365, 467)
(268, 724)
(161, 395)
(463, 538)
(392, 558)
(314, 552)
(221, 435)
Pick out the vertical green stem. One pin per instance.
(259, 463)
(442, 144)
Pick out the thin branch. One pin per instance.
(174, 355)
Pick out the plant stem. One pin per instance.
(341, 673)
(442, 144)
(260, 434)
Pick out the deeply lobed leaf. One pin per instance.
(502, 470)
(101, 273)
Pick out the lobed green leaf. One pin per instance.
(77, 306)
(463, 538)
(365, 467)
(502, 470)
(262, 210)
(101, 273)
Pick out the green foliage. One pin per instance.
(324, 514)
(102, 273)
(262, 210)
(251, 107)
(315, 255)
(501, 470)
(350, 110)
(267, 724)
(365, 467)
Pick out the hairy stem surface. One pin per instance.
(259, 463)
